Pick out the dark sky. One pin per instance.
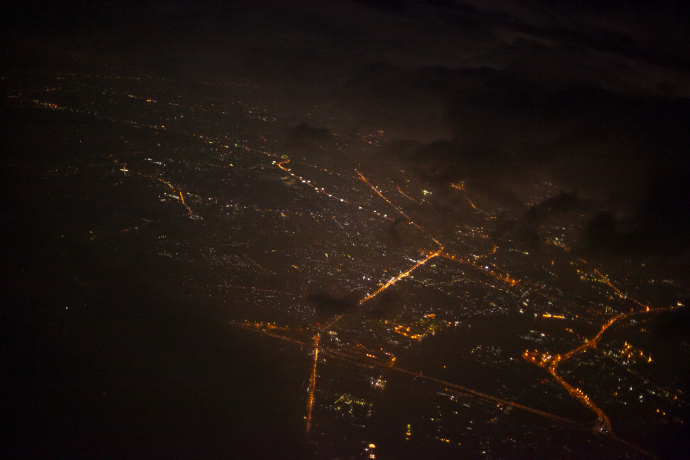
(500, 94)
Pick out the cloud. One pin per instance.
(305, 135)
(658, 228)
(327, 304)
(387, 304)
(561, 203)
(673, 326)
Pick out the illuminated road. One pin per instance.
(390, 283)
(551, 363)
(175, 191)
(406, 196)
(312, 382)
(308, 182)
(369, 361)
(620, 294)
(461, 187)
(505, 278)
(364, 179)
(254, 262)
(402, 275)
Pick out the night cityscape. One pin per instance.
(337, 230)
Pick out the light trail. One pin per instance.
(365, 360)
(462, 187)
(390, 283)
(260, 325)
(493, 251)
(465, 278)
(312, 382)
(620, 294)
(505, 278)
(608, 283)
(476, 208)
(553, 299)
(255, 262)
(189, 210)
(304, 181)
(603, 421)
(402, 275)
(137, 227)
(364, 179)
(406, 196)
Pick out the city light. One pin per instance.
(302, 252)
(364, 179)
(312, 382)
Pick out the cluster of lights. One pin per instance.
(371, 450)
(552, 362)
(545, 360)
(175, 191)
(390, 283)
(549, 315)
(485, 268)
(307, 182)
(364, 179)
(629, 352)
(461, 186)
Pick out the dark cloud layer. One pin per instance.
(306, 137)
(326, 304)
(673, 326)
(660, 226)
